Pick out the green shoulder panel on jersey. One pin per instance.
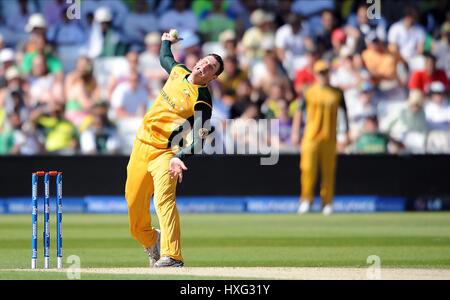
(341, 97)
(204, 96)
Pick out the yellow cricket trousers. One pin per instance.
(313, 155)
(147, 175)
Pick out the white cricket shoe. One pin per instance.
(327, 210)
(168, 262)
(304, 207)
(154, 252)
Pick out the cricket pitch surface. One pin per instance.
(271, 273)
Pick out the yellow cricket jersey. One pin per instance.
(322, 103)
(173, 107)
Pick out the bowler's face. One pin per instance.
(206, 68)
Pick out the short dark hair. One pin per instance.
(220, 61)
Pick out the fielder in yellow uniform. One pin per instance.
(183, 105)
(318, 146)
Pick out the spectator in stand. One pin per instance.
(201, 8)
(271, 107)
(44, 87)
(25, 139)
(232, 75)
(61, 136)
(243, 10)
(229, 43)
(104, 40)
(37, 30)
(149, 59)
(338, 42)
(100, 136)
(313, 12)
(243, 96)
(66, 33)
(255, 36)
(269, 71)
(437, 109)
(7, 60)
(360, 108)
(223, 107)
(13, 98)
(130, 99)
(148, 62)
(81, 91)
(411, 118)
(139, 23)
(292, 40)
(180, 17)
(8, 130)
(323, 34)
(423, 78)
(346, 76)
(359, 27)
(244, 91)
(122, 75)
(42, 48)
(190, 44)
(215, 21)
(285, 125)
(372, 141)
(118, 9)
(245, 128)
(406, 37)
(305, 76)
(441, 49)
(381, 64)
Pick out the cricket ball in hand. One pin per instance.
(173, 33)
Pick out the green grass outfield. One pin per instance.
(404, 240)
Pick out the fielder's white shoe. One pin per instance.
(327, 209)
(154, 252)
(304, 207)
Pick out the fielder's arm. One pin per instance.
(347, 126)
(297, 123)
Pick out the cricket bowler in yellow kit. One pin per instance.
(156, 164)
(318, 146)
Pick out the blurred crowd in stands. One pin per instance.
(78, 77)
